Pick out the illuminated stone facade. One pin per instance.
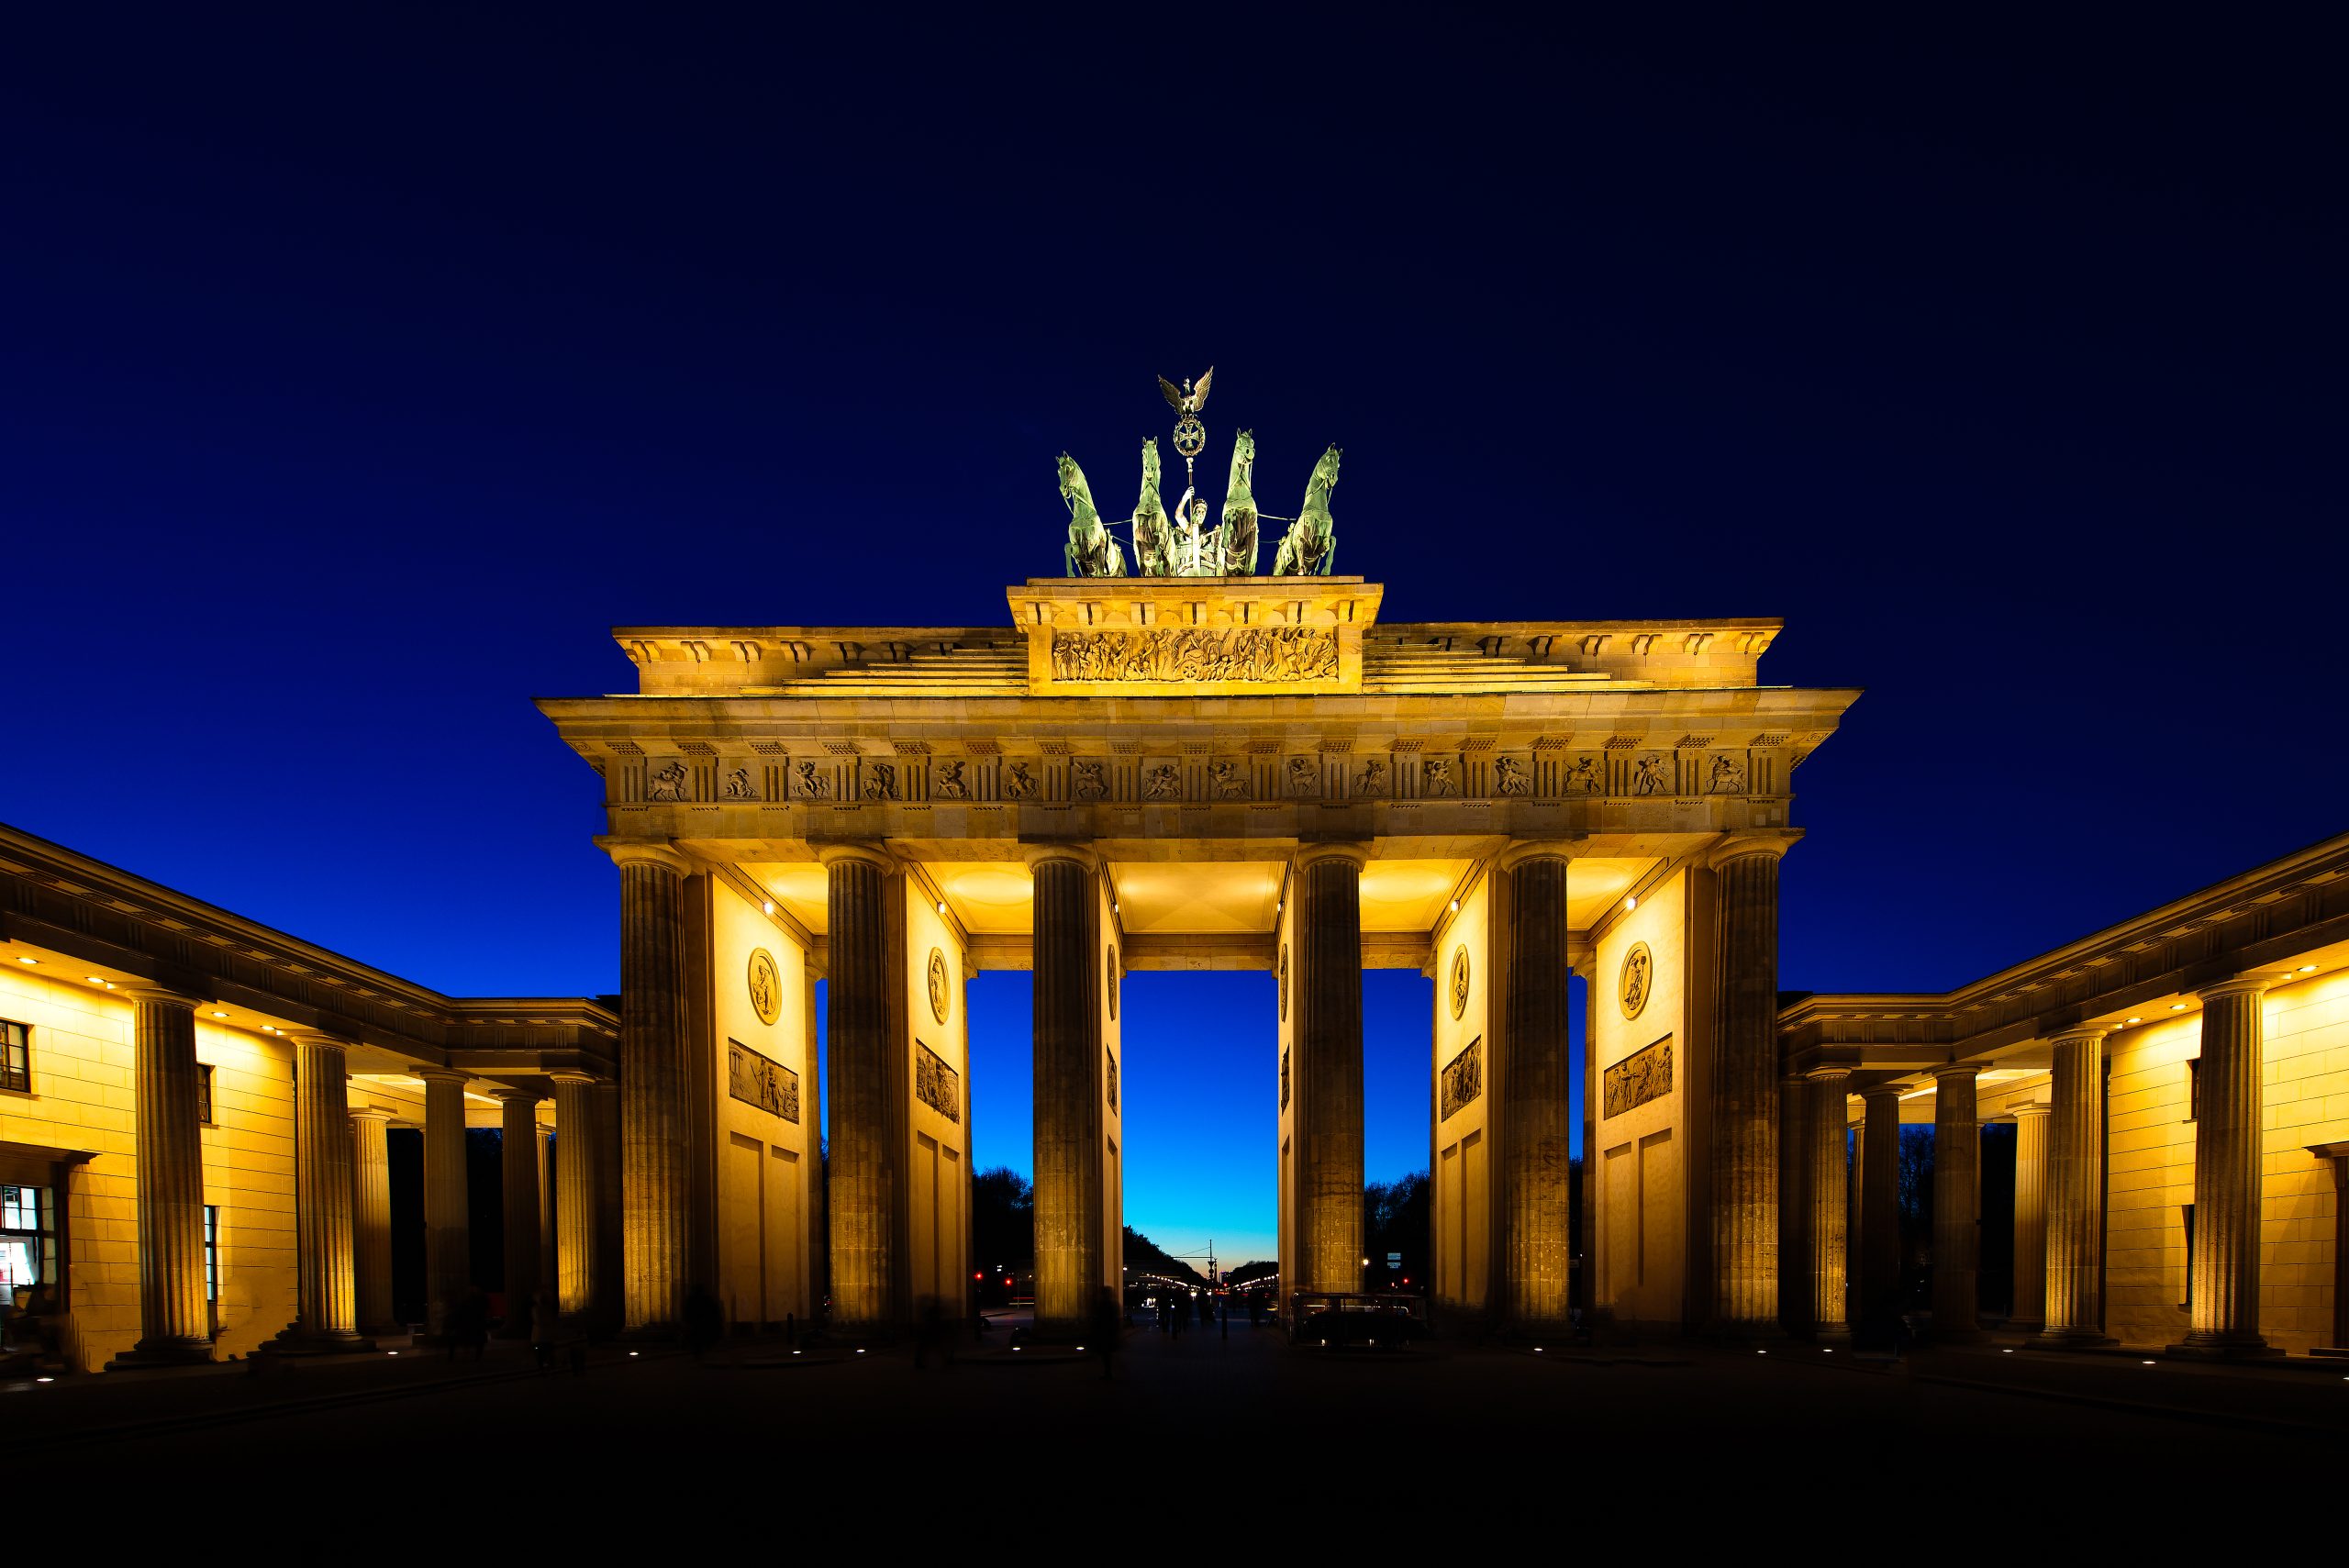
(1190, 774)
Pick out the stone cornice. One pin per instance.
(156, 937)
(2253, 922)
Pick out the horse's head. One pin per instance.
(1074, 490)
(1150, 461)
(1325, 472)
(1243, 460)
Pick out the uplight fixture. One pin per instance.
(218, 1014)
(2135, 1020)
(1631, 902)
(941, 906)
(767, 908)
(1455, 907)
(2307, 969)
(23, 959)
(2177, 1006)
(95, 979)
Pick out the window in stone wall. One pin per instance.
(27, 1236)
(2193, 1088)
(203, 1093)
(212, 1264)
(15, 1057)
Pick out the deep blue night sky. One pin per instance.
(362, 369)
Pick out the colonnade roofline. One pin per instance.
(2289, 918)
(89, 924)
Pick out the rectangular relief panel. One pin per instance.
(1464, 1079)
(759, 1080)
(1640, 1077)
(935, 1084)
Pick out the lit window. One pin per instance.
(2194, 1088)
(203, 1093)
(16, 1058)
(212, 1266)
(27, 1236)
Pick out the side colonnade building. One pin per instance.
(2180, 1087)
(194, 1114)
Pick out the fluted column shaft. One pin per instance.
(325, 1265)
(1796, 1156)
(2225, 1308)
(1743, 1208)
(518, 1166)
(1828, 1131)
(174, 1319)
(371, 1213)
(857, 1005)
(1958, 1202)
(2075, 1194)
(1880, 1210)
(654, 1124)
(447, 1227)
(1536, 1122)
(578, 1200)
(1327, 1042)
(1067, 1097)
(611, 1269)
(2030, 1307)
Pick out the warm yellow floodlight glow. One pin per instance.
(1631, 902)
(1455, 907)
(2136, 1021)
(218, 1014)
(767, 908)
(22, 960)
(2177, 1006)
(95, 979)
(2307, 969)
(941, 906)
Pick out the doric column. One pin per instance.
(655, 1125)
(1328, 1044)
(1880, 1211)
(2225, 1309)
(1958, 1202)
(578, 1201)
(1066, 948)
(2030, 1307)
(1536, 1143)
(1829, 1130)
(2075, 1193)
(1797, 1151)
(862, 1164)
(519, 1164)
(371, 1218)
(174, 1317)
(1743, 1207)
(549, 1270)
(326, 1263)
(447, 1228)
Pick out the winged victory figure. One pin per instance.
(1189, 398)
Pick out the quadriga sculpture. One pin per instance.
(1311, 541)
(1239, 536)
(1153, 534)
(1091, 552)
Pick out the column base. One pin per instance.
(294, 1342)
(152, 1354)
(1838, 1335)
(2071, 1340)
(2341, 1351)
(2218, 1348)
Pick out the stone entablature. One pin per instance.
(56, 900)
(2279, 911)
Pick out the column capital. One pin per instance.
(1774, 844)
(1829, 1073)
(433, 1074)
(318, 1037)
(1520, 850)
(1959, 1068)
(372, 1113)
(855, 854)
(1356, 854)
(509, 1094)
(573, 1075)
(1882, 1091)
(2256, 982)
(660, 852)
(2035, 1109)
(2088, 1034)
(1074, 853)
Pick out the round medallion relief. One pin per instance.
(1637, 979)
(941, 995)
(1459, 983)
(766, 986)
(1113, 984)
(1284, 982)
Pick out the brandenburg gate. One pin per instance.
(1171, 772)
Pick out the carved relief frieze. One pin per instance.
(1511, 776)
(1162, 781)
(810, 780)
(1196, 654)
(1087, 779)
(738, 785)
(1227, 779)
(935, 1084)
(1439, 777)
(1640, 1077)
(952, 781)
(1303, 776)
(1372, 781)
(1018, 780)
(1652, 774)
(667, 783)
(1581, 777)
(762, 1081)
(1726, 775)
(1464, 1080)
(877, 780)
